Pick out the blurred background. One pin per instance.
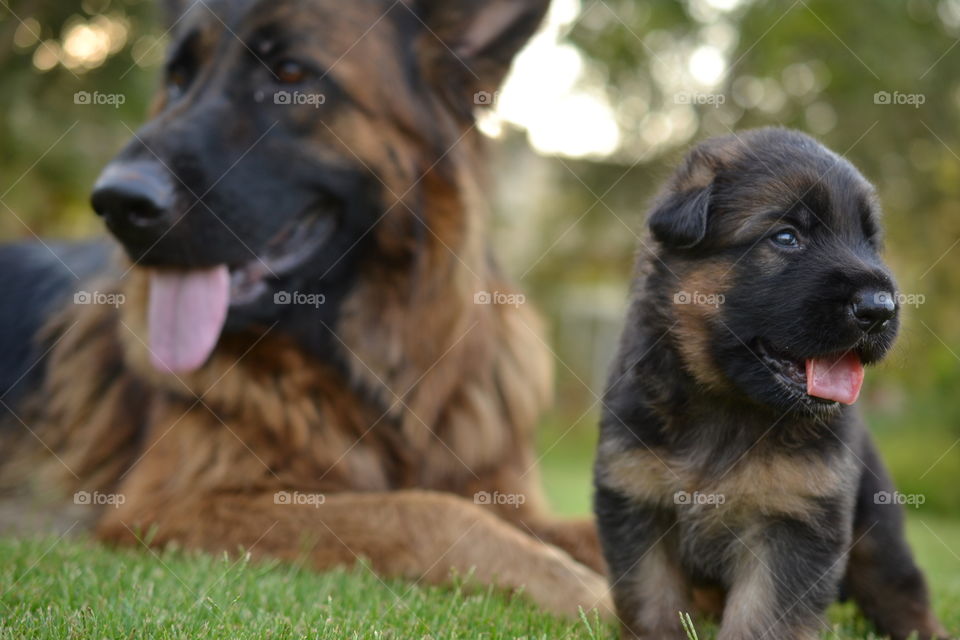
(597, 111)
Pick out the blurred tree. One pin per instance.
(72, 85)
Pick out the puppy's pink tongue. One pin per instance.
(186, 315)
(837, 377)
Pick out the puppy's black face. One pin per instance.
(778, 238)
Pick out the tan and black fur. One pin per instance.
(721, 485)
(398, 400)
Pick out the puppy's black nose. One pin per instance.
(873, 308)
(133, 195)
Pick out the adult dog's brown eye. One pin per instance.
(289, 72)
(177, 81)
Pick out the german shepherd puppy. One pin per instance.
(732, 470)
(290, 358)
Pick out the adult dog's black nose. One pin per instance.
(873, 308)
(133, 196)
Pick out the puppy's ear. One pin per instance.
(474, 41)
(679, 220)
(681, 214)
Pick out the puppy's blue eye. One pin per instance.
(786, 239)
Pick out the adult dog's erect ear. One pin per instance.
(682, 212)
(476, 40)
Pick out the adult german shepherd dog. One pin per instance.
(288, 357)
(732, 472)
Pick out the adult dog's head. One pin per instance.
(297, 146)
(768, 263)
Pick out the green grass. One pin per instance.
(51, 588)
(78, 589)
(57, 589)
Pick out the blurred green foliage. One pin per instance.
(53, 145)
(816, 65)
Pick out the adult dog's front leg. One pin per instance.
(578, 537)
(417, 535)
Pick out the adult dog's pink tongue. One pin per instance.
(186, 315)
(838, 377)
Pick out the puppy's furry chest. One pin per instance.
(703, 495)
